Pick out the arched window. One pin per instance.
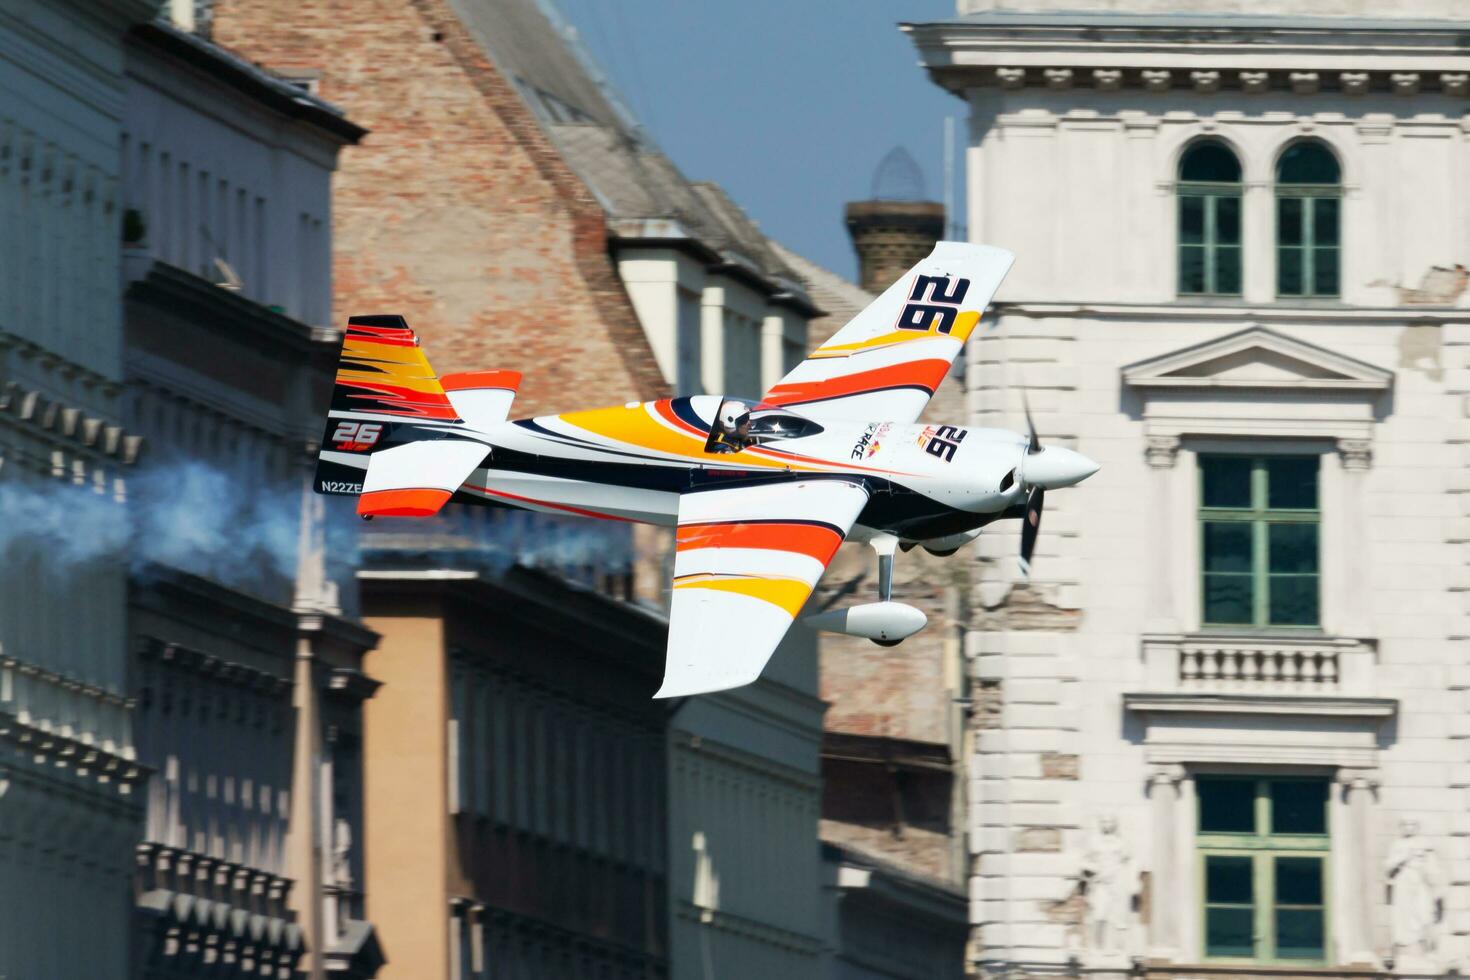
(1308, 229)
(1209, 221)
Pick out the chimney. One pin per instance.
(896, 227)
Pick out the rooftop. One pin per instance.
(642, 191)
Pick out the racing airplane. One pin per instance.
(762, 493)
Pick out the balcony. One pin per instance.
(1258, 664)
(1242, 699)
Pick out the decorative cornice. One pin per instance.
(76, 687)
(1211, 79)
(217, 668)
(86, 761)
(32, 407)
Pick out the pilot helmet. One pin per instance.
(732, 413)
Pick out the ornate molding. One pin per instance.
(1356, 454)
(1157, 79)
(1208, 78)
(61, 752)
(1358, 779)
(1170, 774)
(1304, 82)
(217, 668)
(1057, 79)
(1207, 82)
(1161, 452)
(1255, 82)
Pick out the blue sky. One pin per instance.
(789, 104)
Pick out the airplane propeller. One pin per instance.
(1042, 470)
(1035, 499)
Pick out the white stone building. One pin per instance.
(1224, 726)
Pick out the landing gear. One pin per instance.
(885, 545)
(885, 622)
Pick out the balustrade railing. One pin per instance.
(1266, 664)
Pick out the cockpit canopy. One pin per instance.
(740, 423)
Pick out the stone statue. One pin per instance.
(1415, 884)
(1109, 882)
(342, 853)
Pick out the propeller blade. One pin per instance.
(1031, 527)
(1034, 446)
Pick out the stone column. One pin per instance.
(1258, 261)
(1355, 457)
(1165, 898)
(1357, 868)
(1160, 453)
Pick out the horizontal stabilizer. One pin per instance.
(416, 479)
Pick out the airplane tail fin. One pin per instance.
(385, 436)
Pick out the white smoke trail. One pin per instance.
(184, 515)
(194, 517)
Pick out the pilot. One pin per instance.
(732, 427)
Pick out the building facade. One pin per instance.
(70, 805)
(518, 802)
(245, 666)
(1222, 726)
(516, 215)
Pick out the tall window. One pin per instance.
(1259, 520)
(1263, 846)
(1209, 221)
(1308, 229)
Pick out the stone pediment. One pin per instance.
(1258, 358)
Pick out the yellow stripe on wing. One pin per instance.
(789, 594)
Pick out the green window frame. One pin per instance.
(1264, 846)
(1308, 222)
(1259, 539)
(1210, 214)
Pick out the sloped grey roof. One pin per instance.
(742, 235)
(602, 141)
(527, 46)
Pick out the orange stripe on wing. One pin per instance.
(925, 374)
(813, 540)
(417, 502)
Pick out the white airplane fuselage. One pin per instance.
(631, 463)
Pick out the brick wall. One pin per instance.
(456, 211)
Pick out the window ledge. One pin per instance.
(1261, 704)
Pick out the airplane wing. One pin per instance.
(747, 559)
(887, 362)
